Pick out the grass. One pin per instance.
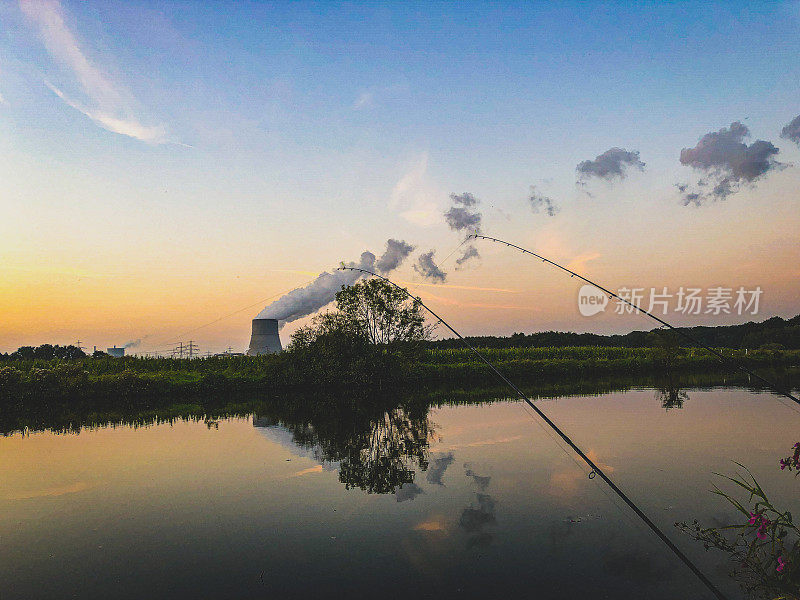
(130, 379)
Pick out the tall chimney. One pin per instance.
(265, 339)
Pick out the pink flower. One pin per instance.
(781, 564)
(753, 518)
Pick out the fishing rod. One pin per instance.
(680, 332)
(594, 468)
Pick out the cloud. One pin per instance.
(459, 217)
(473, 520)
(50, 492)
(465, 199)
(539, 202)
(470, 252)
(481, 481)
(364, 100)
(578, 264)
(396, 252)
(438, 467)
(567, 483)
(489, 442)
(111, 106)
(408, 491)
(433, 524)
(308, 471)
(727, 162)
(428, 269)
(414, 196)
(611, 164)
(792, 130)
(130, 128)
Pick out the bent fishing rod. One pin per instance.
(680, 332)
(594, 468)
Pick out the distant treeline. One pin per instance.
(773, 334)
(338, 357)
(132, 380)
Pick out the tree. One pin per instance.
(383, 313)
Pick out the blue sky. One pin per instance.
(150, 139)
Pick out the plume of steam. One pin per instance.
(728, 162)
(470, 252)
(396, 252)
(541, 202)
(306, 300)
(132, 343)
(792, 130)
(610, 165)
(428, 269)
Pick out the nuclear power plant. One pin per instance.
(265, 338)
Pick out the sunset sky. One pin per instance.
(163, 166)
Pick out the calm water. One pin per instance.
(449, 502)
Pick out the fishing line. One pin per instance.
(441, 262)
(596, 469)
(683, 334)
(636, 526)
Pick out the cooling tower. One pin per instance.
(265, 339)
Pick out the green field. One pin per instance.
(131, 377)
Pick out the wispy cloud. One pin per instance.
(578, 264)
(414, 196)
(364, 100)
(129, 127)
(309, 471)
(50, 492)
(109, 105)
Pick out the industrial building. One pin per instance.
(265, 338)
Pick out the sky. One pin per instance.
(168, 169)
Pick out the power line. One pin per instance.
(680, 332)
(218, 319)
(595, 469)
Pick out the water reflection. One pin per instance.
(437, 468)
(378, 451)
(71, 416)
(476, 518)
(462, 497)
(670, 394)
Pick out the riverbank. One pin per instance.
(69, 396)
(130, 378)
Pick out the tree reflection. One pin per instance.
(377, 450)
(671, 395)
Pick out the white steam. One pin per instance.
(306, 300)
(309, 299)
